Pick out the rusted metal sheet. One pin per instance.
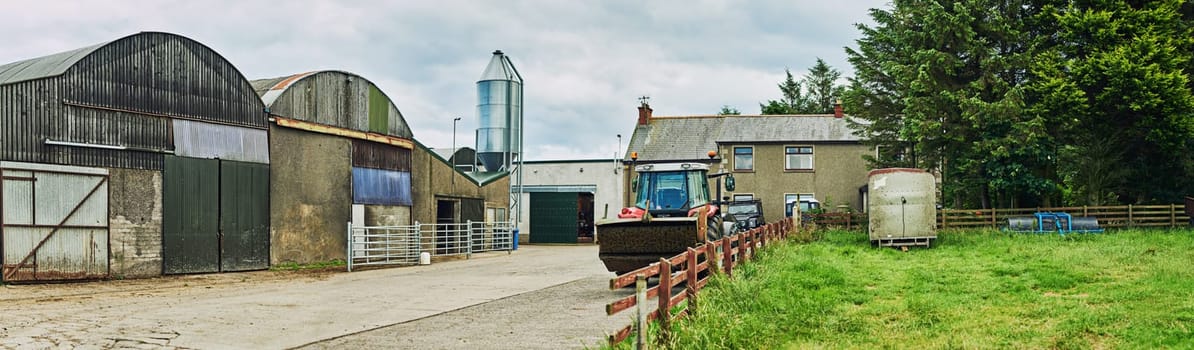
(331, 130)
(333, 98)
(54, 223)
(377, 186)
(375, 155)
(112, 106)
(205, 140)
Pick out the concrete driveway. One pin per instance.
(277, 309)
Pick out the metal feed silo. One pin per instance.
(499, 111)
(903, 207)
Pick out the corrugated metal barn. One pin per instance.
(136, 157)
(341, 152)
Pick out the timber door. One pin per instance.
(553, 217)
(54, 222)
(215, 216)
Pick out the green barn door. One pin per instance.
(553, 217)
(244, 216)
(190, 215)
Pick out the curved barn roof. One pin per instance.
(125, 102)
(334, 98)
(45, 66)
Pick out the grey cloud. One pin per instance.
(585, 63)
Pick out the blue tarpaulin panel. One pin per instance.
(378, 186)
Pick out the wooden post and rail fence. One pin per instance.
(728, 253)
(1118, 216)
(720, 256)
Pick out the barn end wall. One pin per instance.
(135, 219)
(432, 178)
(311, 193)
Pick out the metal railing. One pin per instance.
(383, 245)
(488, 237)
(403, 245)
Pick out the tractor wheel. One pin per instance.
(715, 228)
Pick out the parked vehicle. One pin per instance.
(664, 219)
(747, 214)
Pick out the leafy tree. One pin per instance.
(823, 88)
(1119, 75)
(814, 94)
(727, 110)
(941, 80)
(1023, 102)
(793, 102)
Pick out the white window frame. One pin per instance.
(734, 154)
(811, 157)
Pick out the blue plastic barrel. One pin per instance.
(515, 239)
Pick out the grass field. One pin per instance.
(973, 289)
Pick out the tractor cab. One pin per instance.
(669, 190)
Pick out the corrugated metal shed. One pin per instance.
(375, 155)
(334, 98)
(690, 137)
(112, 104)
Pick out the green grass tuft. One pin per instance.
(291, 266)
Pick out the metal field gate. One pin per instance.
(215, 216)
(54, 222)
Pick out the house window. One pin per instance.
(744, 158)
(744, 197)
(798, 158)
(792, 202)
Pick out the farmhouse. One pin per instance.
(775, 158)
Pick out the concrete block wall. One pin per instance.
(135, 223)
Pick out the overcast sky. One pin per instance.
(585, 62)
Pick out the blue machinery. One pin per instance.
(1049, 222)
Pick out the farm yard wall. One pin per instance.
(311, 190)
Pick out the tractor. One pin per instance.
(665, 219)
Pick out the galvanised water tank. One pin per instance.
(499, 111)
(903, 207)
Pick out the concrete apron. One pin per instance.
(285, 313)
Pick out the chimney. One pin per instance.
(837, 109)
(644, 111)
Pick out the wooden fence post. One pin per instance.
(763, 237)
(1129, 215)
(640, 300)
(944, 214)
(727, 256)
(1172, 215)
(994, 222)
(665, 298)
(693, 283)
(742, 248)
(711, 257)
(1085, 211)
